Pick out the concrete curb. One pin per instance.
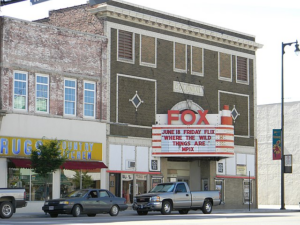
(214, 212)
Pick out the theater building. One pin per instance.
(180, 100)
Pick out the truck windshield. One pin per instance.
(163, 188)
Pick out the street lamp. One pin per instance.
(297, 51)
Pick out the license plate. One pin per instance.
(141, 206)
(51, 207)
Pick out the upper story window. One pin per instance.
(42, 93)
(20, 90)
(242, 70)
(225, 67)
(70, 97)
(148, 51)
(180, 57)
(125, 46)
(89, 99)
(197, 61)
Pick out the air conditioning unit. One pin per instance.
(131, 164)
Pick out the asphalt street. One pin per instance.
(224, 217)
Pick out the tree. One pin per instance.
(87, 180)
(46, 159)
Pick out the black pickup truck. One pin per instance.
(10, 199)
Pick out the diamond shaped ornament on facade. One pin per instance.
(234, 114)
(136, 100)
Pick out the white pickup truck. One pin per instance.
(167, 197)
(10, 199)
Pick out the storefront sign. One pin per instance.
(127, 177)
(77, 150)
(191, 140)
(186, 88)
(241, 170)
(188, 140)
(174, 115)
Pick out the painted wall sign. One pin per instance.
(22, 147)
(186, 88)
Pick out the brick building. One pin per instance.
(163, 72)
(50, 88)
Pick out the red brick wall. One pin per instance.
(75, 18)
(40, 48)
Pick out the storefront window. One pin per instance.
(38, 183)
(141, 183)
(33, 183)
(127, 181)
(71, 180)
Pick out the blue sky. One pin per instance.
(271, 22)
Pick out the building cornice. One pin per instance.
(104, 10)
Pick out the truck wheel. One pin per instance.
(166, 208)
(142, 213)
(6, 210)
(76, 211)
(183, 211)
(207, 207)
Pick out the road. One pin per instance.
(274, 217)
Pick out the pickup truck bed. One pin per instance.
(10, 199)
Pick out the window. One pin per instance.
(125, 46)
(89, 99)
(225, 70)
(180, 57)
(197, 61)
(70, 97)
(242, 72)
(103, 194)
(220, 167)
(148, 51)
(181, 188)
(20, 90)
(42, 93)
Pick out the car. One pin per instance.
(86, 201)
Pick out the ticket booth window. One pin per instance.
(220, 186)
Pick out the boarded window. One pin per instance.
(125, 44)
(197, 60)
(147, 49)
(225, 65)
(242, 69)
(180, 56)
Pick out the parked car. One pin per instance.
(10, 200)
(86, 201)
(167, 197)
